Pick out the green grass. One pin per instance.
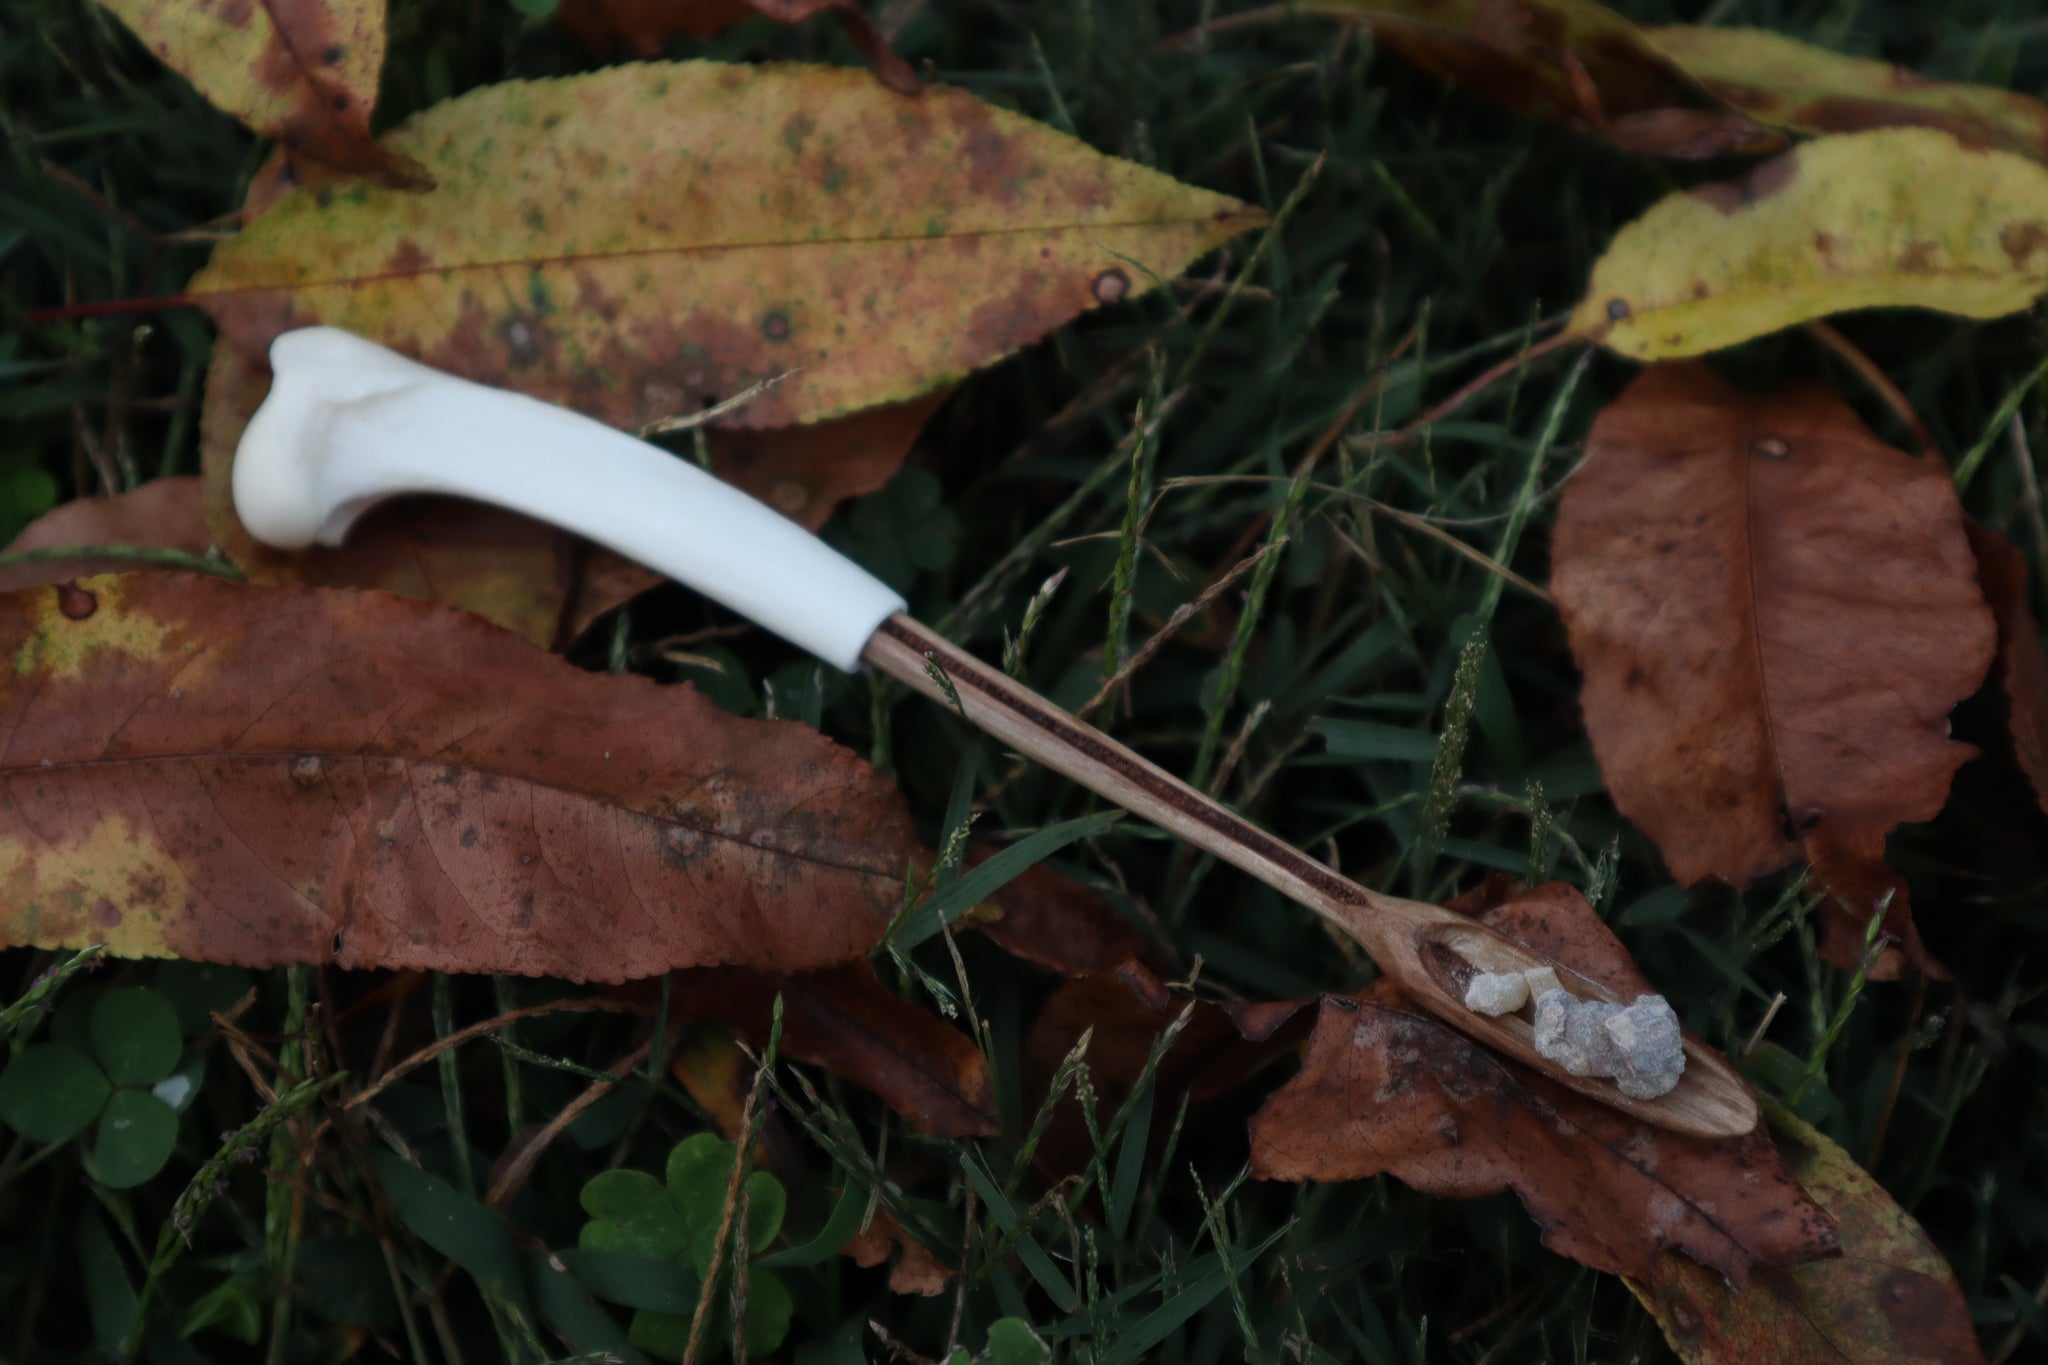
(1432, 236)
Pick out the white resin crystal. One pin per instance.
(1542, 979)
(1497, 992)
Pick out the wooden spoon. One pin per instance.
(349, 423)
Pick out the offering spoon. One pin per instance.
(349, 423)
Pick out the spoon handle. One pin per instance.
(918, 657)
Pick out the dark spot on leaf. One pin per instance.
(106, 914)
(1617, 310)
(1110, 286)
(1731, 196)
(340, 103)
(332, 54)
(2023, 243)
(521, 342)
(1685, 1319)
(75, 602)
(1919, 1310)
(469, 837)
(1918, 256)
(775, 326)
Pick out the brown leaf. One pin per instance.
(916, 1271)
(1128, 1007)
(1387, 1089)
(162, 515)
(1774, 613)
(524, 575)
(842, 1019)
(1571, 60)
(647, 25)
(2022, 664)
(301, 71)
(1888, 1298)
(806, 472)
(257, 775)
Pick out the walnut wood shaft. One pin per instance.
(1035, 727)
(1427, 949)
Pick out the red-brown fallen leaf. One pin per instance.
(647, 25)
(161, 515)
(842, 1019)
(1571, 60)
(1774, 612)
(524, 575)
(1128, 1007)
(254, 775)
(2022, 664)
(1388, 1089)
(806, 472)
(916, 1271)
(1888, 1299)
(301, 71)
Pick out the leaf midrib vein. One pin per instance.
(691, 248)
(10, 772)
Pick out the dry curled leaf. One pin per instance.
(1785, 83)
(161, 515)
(916, 1271)
(647, 25)
(1056, 923)
(1125, 1009)
(301, 71)
(2022, 663)
(1571, 60)
(1388, 1089)
(805, 472)
(664, 236)
(842, 1019)
(522, 574)
(253, 775)
(1774, 613)
(1837, 224)
(1888, 1299)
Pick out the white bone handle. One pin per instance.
(349, 423)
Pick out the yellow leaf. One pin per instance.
(1888, 1299)
(301, 71)
(1903, 217)
(1793, 85)
(646, 240)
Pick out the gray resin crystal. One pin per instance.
(1638, 1047)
